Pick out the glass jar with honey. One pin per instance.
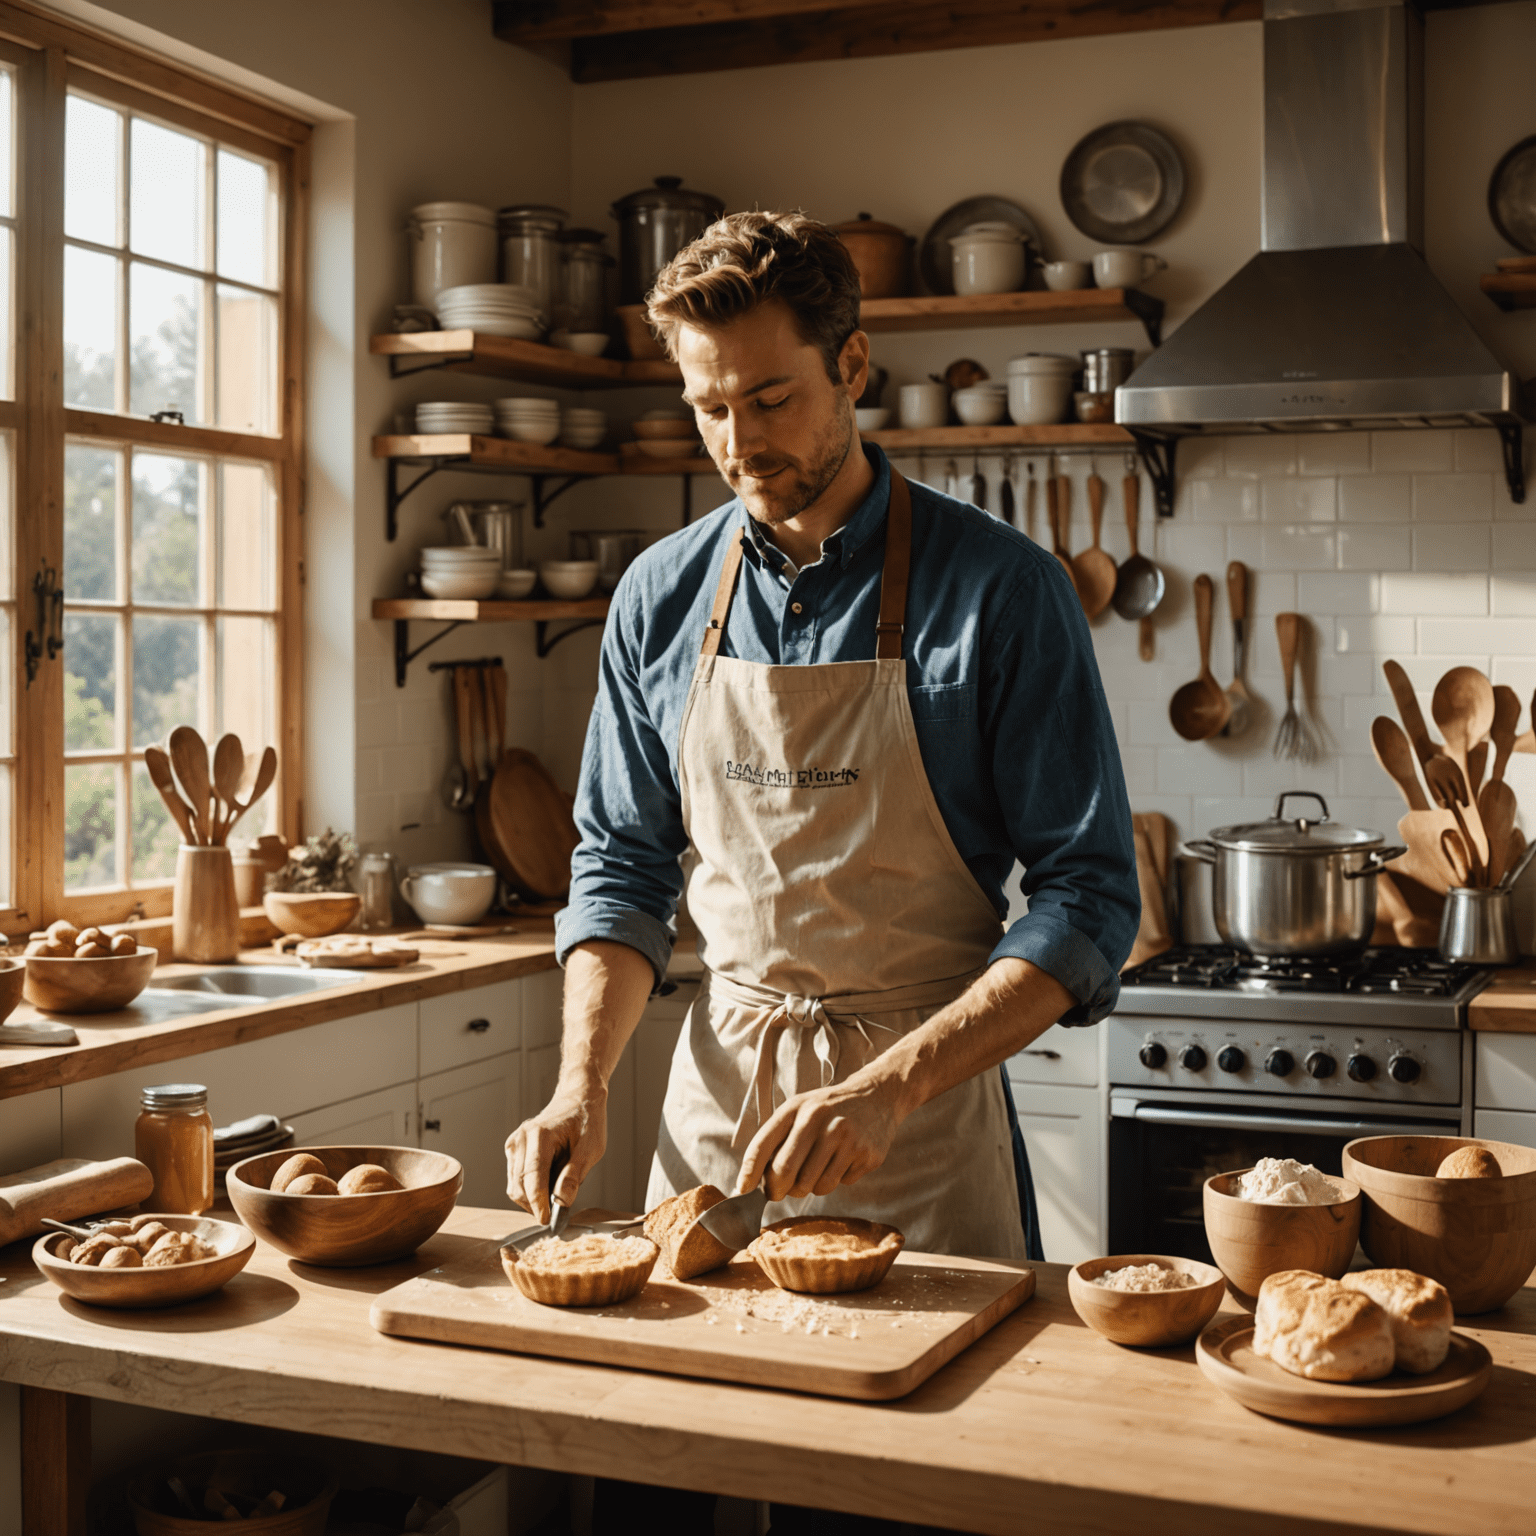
(173, 1138)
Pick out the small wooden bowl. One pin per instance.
(578, 1288)
(1477, 1237)
(13, 976)
(139, 1288)
(344, 1231)
(101, 984)
(311, 914)
(1251, 1241)
(1146, 1319)
(829, 1276)
(665, 430)
(308, 1486)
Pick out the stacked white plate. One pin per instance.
(582, 427)
(433, 416)
(527, 419)
(459, 570)
(494, 309)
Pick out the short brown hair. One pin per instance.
(747, 259)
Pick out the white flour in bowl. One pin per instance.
(1284, 1181)
(1144, 1277)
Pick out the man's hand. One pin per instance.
(819, 1140)
(571, 1122)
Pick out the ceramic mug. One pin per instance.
(924, 405)
(1125, 269)
(457, 894)
(1062, 276)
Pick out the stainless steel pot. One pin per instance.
(655, 223)
(1294, 886)
(1478, 926)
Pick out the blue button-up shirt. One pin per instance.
(1011, 721)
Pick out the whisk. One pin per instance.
(1294, 738)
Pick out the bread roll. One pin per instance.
(1419, 1309)
(1470, 1163)
(1314, 1327)
(312, 1184)
(125, 944)
(91, 951)
(121, 1258)
(63, 932)
(687, 1247)
(296, 1167)
(367, 1179)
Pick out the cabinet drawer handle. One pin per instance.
(431, 1125)
(1048, 1055)
(478, 1026)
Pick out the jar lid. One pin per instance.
(1295, 834)
(435, 213)
(582, 237)
(989, 234)
(668, 192)
(867, 224)
(174, 1096)
(531, 216)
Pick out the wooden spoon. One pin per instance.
(1506, 721)
(1395, 753)
(1052, 516)
(1462, 706)
(1455, 852)
(266, 771)
(189, 757)
(228, 768)
(1237, 690)
(1095, 571)
(159, 768)
(1408, 711)
(1496, 805)
(1448, 789)
(1200, 709)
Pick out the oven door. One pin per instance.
(1161, 1152)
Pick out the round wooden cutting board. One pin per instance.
(527, 828)
(1225, 1353)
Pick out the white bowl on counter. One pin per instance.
(449, 893)
(569, 580)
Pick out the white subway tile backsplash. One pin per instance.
(1299, 548)
(1376, 499)
(1193, 769)
(1477, 448)
(1258, 456)
(1334, 453)
(1245, 542)
(1298, 500)
(1319, 592)
(1428, 451)
(1418, 594)
(1491, 637)
(1444, 498)
(1201, 458)
(1223, 501)
(1514, 593)
(1375, 632)
(1451, 546)
(1514, 547)
(1379, 548)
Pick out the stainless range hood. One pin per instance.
(1338, 323)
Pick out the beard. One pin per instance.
(796, 485)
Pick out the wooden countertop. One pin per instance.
(117, 1042)
(1040, 1425)
(1507, 1004)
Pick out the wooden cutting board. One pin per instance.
(731, 1325)
(526, 827)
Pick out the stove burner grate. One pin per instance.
(1404, 972)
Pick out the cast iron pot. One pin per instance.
(1294, 886)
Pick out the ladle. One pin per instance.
(1200, 709)
(1095, 570)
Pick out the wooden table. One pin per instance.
(1041, 1426)
(1507, 1005)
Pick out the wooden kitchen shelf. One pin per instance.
(505, 357)
(494, 453)
(946, 312)
(1510, 290)
(587, 613)
(1104, 435)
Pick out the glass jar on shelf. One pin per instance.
(584, 266)
(173, 1138)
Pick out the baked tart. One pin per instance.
(822, 1255)
(688, 1248)
(590, 1271)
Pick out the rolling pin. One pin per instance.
(68, 1189)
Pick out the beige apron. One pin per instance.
(834, 915)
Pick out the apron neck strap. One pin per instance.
(893, 580)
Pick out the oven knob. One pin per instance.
(1230, 1059)
(1192, 1058)
(1321, 1064)
(1279, 1063)
(1404, 1069)
(1152, 1054)
(1360, 1068)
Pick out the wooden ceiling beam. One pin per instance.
(543, 21)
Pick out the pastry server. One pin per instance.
(837, 709)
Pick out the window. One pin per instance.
(149, 576)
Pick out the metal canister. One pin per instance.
(655, 223)
(583, 303)
(530, 249)
(1105, 369)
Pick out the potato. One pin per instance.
(124, 944)
(63, 932)
(311, 1184)
(144, 1238)
(92, 951)
(368, 1179)
(296, 1166)
(121, 1258)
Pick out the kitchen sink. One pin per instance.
(264, 982)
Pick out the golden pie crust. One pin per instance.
(687, 1247)
(823, 1255)
(590, 1271)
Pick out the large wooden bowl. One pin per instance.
(139, 1288)
(13, 976)
(101, 984)
(343, 1231)
(311, 914)
(1477, 1237)
(1252, 1241)
(307, 1485)
(1146, 1319)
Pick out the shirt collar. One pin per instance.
(846, 542)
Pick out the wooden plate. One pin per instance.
(533, 833)
(140, 1288)
(1225, 1353)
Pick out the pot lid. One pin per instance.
(532, 215)
(1003, 234)
(1295, 834)
(866, 224)
(668, 192)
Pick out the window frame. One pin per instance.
(53, 57)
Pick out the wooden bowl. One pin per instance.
(311, 914)
(670, 431)
(101, 984)
(1251, 1241)
(343, 1231)
(307, 1485)
(13, 976)
(1146, 1319)
(1477, 1237)
(828, 1276)
(139, 1288)
(639, 338)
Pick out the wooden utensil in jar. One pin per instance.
(1095, 572)
(1200, 708)
(1506, 722)
(1448, 789)
(1395, 754)
(158, 766)
(1496, 809)
(1408, 711)
(1462, 706)
(189, 757)
(228, 768)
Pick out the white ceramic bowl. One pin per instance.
(1038, 399)
(513, 586)
(456, 554)
(1043, 362)
(588, 343)
(980, 407)
(540, 432)
(569, 580)
(449, 893)
(477, 586)
(871, 418)
(924, 405)
(1063, 276)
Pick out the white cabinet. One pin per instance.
(1063, 1134)
(383, 1119)
(468, 1113)
(1060, 1055)
(1505, 1125)
(462, 1027)
(1506, 1072)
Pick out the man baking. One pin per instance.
(838, 709)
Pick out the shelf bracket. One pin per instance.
(397, 491)
(404, 655)
(403, 367)
(1158, 456)
(544, 642)
(1149, 311)
(1512, 440)
(541, 502)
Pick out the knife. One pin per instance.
(736, 1221)
(559, 1215)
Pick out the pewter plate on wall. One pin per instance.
(1123, 183)
(1512, 196)
(934, 261)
